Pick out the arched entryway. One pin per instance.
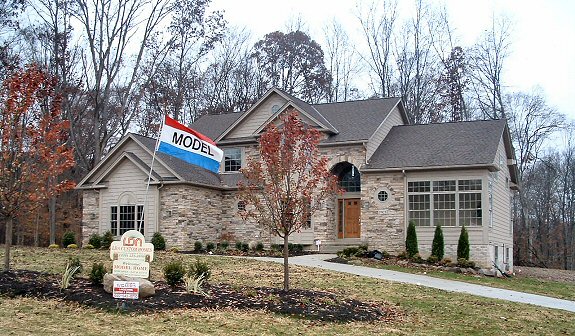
(349, 204)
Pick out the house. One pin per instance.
(449, 174)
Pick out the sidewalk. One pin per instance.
(318, 261)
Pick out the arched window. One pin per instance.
(348, 176)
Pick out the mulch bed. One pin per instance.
(307, 304)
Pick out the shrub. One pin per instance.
(432, 259)
(174, 272)
(224, 245)
(463, 245)
(199, 268)
(107, 239)
(174, 249)
(348, 252)
(245, 247)
(54, 246)
(462, 262)
(95, 240)
(198, 246)
(411, 240)
(97, 273)
(445, 261)
(402, 255)
(68, 275)
(438, 245)
(239, 245)
(296, 248)
(75, 262)
(72, 246)
(68, 238)
(158, 241)
(259, 246)
(210, 246)
(88, 246)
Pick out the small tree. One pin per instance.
(438, 245)
(285, 185)
(463, 245)
(411, 240)
(33, 146)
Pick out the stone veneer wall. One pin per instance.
(383, 223)
(90, 214)
(325, 219)
(189, 213)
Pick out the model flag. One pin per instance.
(186, 144)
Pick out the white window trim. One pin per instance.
(482, 192)
(242, 160)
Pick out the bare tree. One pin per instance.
(342, 63)
(378, 25)
(487, 64)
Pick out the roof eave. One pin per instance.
(490, 167)
(197, 184)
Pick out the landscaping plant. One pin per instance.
(174, 272)
(158, 241)
(438, 245)
(411, 240)
(68, 275)
(107, 239)
(463, 245)
(97, 273)
(95, 240)
(68, 238)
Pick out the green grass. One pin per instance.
(561, 290)
(426, 311)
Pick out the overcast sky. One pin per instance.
(543, 36)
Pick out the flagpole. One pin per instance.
(150, 175)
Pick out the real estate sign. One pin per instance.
(132, 255)
(126, 290)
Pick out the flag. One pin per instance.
(186, 144)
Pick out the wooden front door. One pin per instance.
(348, 218)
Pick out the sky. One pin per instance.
(543, 33)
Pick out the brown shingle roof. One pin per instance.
(439, 145)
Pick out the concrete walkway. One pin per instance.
(318, 261)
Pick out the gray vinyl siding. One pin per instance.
(133, 147)
(393, 119)
(501, 231)
(477, 235)
(126, 180)
(256, 117)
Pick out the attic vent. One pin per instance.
(275, 108)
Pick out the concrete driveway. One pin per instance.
(318, 261)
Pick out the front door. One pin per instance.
(348, 218)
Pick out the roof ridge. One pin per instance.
(355, 101)
(455, 122)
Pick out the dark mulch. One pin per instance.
(307, 304)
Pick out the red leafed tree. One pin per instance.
(33, 149)
(287, 183)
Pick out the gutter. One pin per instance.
(490, 167)
(203, 185)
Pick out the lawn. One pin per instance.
(424, 311)
(557, 289)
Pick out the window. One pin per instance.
(127, 219)
(232, 159)
(382, 196)
(445, 202)
(241, 205)
(350, 180)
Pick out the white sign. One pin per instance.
(132, 255)
(126, 290)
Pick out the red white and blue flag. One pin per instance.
(186, 144)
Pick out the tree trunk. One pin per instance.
(8, 243)
(52, 210)
(286, 265)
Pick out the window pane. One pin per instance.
(470, 213)
(350, 180)
(127, 218)
(419, 210)
(469, 185)
(443, 185)
(444, 209)
(232, 159)
(114, 220)
(419, 186)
